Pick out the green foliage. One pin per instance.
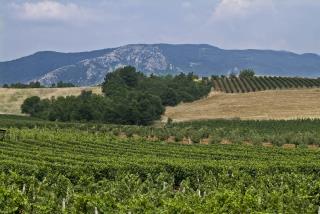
(30, 105)
(137, 108)
(122, 78)
(34, 106)
(22, 85)
(169, 97)
(86, 107)
(53, 170)
(62, 84)
(298, 132)
(37, 84)
(129, 98)
(171, 90)
(247, 73)
(248, 83)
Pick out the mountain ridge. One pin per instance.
(90, 67)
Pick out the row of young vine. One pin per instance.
(261, 83)
(53, 170)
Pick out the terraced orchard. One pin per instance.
(53, 170)
(261, 83)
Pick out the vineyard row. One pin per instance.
(262, 83)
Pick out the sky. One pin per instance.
(28, 26)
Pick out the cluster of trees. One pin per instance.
(129, 97)
(245, 73)
(62, 84)
(37, 84)
(64, 108)
(170, 89)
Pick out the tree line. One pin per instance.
(37, 84)
(129, 97)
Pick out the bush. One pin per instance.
(34, 106)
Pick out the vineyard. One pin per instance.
(300, 133)
(51, 167)
(261, 83)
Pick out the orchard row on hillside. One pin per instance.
(260, 83)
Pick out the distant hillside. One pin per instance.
(89, 68)
(261, 83)
(34, 66)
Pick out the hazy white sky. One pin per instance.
(27, 26)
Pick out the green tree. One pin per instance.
(246, 73)
(169, 97)
(122, 77)
(232, 75)
(31, 105)
(129, 97)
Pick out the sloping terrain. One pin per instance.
(273, 104)
(261, 83)
(11, 99)
(89, 68)
(276, 104)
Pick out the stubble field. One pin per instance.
(276, 104)
(11, 98)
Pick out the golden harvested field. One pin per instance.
(11, 98)
(277, 104)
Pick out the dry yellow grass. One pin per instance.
(277, 104)
(11, 99)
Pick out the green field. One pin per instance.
(300, 133)
(51, 167)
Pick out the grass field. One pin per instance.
(11, 98)
(277, 104)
